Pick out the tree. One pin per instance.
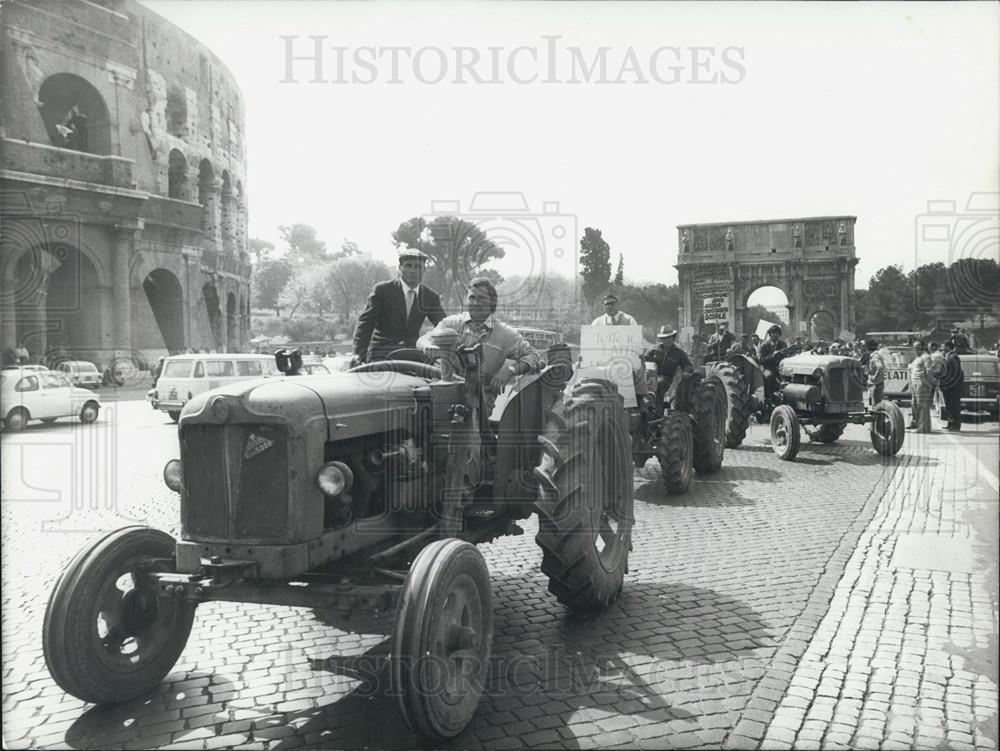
(303, 245)
(595, 262)
(350, 280)
(348, 248)
(620, 273)
(889, 302)
(459, 250)
(651, 305)
(259, 249)
(268, 281)
(757, 313)
(306, 289)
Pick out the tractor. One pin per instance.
(365, 491)
(824, 393)
(685, 431)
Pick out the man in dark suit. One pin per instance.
(396, 310)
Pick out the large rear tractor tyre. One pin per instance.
(710, 409)
(441, 639)
(785, 434)
(585, 501)
(108, 636)
(739, 402)
(676, 451)
(828, 433)
(888, 428)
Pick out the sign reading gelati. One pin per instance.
(611, 353)
(717, 309)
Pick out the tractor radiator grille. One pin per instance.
(235, 481)
(846, 385)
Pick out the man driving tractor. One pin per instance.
(669, 359)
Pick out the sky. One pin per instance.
(709, 112)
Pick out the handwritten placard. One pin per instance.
(611, 353)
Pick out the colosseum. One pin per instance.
(123, 187)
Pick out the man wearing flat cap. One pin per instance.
(396, 310)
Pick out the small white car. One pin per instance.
(80, 373)
(27, 395)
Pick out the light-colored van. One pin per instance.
(185, 376)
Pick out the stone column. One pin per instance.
(845, 300)
(8, 314)
(122, 248)
(211, 214)
(192, 292)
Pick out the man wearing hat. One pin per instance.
(396, 309)
(668, 358)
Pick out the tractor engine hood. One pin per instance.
(351, 404)
(807, 364)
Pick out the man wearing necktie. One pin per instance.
(396, 310)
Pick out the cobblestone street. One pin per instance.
(840, 601)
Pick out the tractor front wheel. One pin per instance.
(785, 432)
(888, 428)
(585, 501)
(675, 452)
(108, 636)
(442, 638)
(709, 412)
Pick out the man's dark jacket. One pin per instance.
(384, 326)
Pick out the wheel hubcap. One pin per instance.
(458, 646)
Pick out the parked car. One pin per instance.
(27, 395)
(80, 373)
(338, 363)
(186, 376)
(36, 368)
(314, 368)
(980, 386)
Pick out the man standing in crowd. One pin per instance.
(921, 389)
(501, 342)
(720, 342)
(396, 309)
(951, 386)
(875, 367)
(668, 358)
(612, 316)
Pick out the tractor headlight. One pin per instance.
(334, 478)
(220, 408)
(172, 475)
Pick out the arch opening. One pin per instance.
(766, 303)
(166, 298)
(74, 114)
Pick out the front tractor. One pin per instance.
(364, 490)
(824, 393)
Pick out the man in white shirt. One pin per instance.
(612, 316)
